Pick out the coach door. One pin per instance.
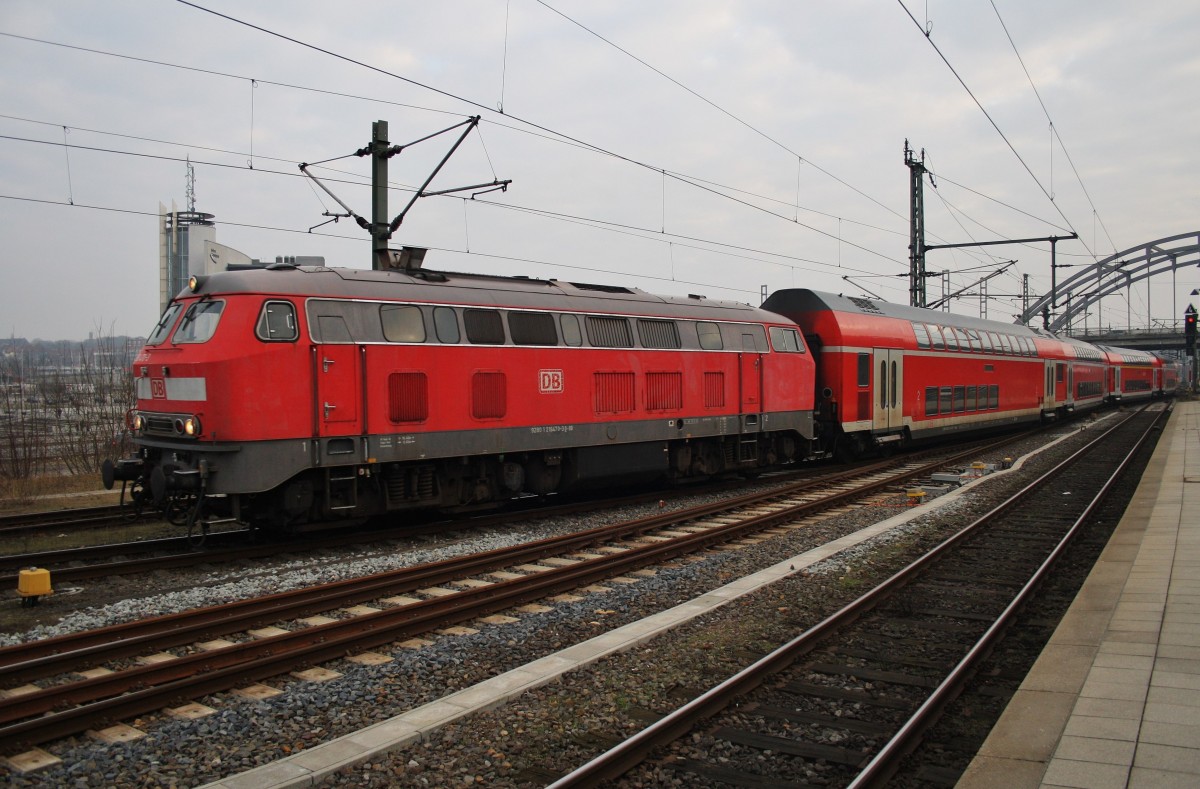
(889, 390)
(1048, 387)
(338, 395)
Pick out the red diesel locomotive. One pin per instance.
(288, 395)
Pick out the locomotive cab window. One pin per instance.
(532, 328)
(199, 322)
(163, 327)
(786, 340)
(484, 327)
(277, 323)
(710, 336)
(402, 323)
(445, 324)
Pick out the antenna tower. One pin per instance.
(190, 189)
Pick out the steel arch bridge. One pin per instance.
(1075, 296)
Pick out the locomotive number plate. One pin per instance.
(550, 381)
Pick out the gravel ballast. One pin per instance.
(545, 731)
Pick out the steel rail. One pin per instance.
(621, 758)
(150, 687)
(885, 763)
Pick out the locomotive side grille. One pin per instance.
(714, 390)
(488, 399)
(408, 397)
(609, 332)
(614, 393)
(664, 391)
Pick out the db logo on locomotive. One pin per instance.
(550, 381)
(158, 388)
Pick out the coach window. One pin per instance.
(786, 340)
(951, 338)
(922, 335)
(199, 322)
(402, 323)
(935, 334)
(986, 337)
(976, 340)
(960, 398)
(864, 369)
(570, 330)
(445, 323)
(484, 327)
(277, 322)
(994, 396)
(532, 328)
(931, 401)
(710, 336)
(971, 398)
(945, 399)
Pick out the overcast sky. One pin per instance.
(683, 146)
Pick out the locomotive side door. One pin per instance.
(888, 394)
(338, 395)
(750, 361)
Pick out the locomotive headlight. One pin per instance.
(191, 426)
(195, 282)
(139, 422)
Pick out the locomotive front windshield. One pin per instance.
(163, 327)
(199, 322)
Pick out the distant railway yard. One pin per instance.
(515, 648)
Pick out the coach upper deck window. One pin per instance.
(484, 327)
(608, 332)
(199, 322)
(532, 328)
(402, 323)
(277, 322)
(935, 334)
(710, 336)
(922, 335)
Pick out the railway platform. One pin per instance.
(1114, 699)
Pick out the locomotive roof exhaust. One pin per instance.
(403, 259)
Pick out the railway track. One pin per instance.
(13, 526)
(843, 702)
(406, 603)
(73, 565)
